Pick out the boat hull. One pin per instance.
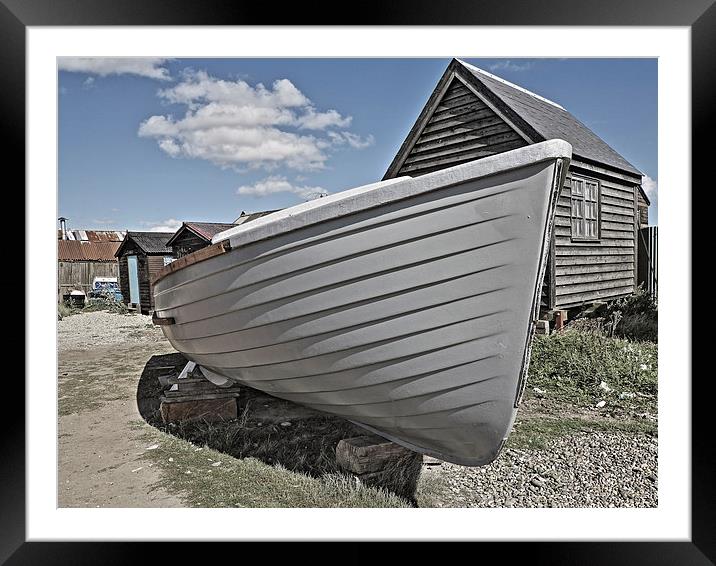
(407, 308)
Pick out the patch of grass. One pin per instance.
(307, 446)
(583, 367)
(536, 433)
(252, 483)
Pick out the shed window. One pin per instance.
(585, 209)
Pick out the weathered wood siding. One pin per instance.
(124, 279)
(461, 128)
(80, 274)
(649, 259)
(643, 210)
(187, 243)
(457, 126)
(147, 267)
(587, 271)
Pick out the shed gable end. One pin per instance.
(461, 128)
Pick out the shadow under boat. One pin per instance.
(307, 444)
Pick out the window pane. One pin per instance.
(577, 187)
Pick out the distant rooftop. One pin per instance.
(249, 216)
(75, 250)
(149, 242)
(93, 235)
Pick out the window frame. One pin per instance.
(575, 238)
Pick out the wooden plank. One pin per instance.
(619, 283)
(627, 203)
(454, 158)
(616, 234)
(604, 267)
(624, 193)
(583, 168)
(618, 217)
(594, 251)
(369, 454)
(446, 104)
(594, 277)
(448, 124)
(461, 128)
(616, 209)
(584, 298)
(466, 110)
(589, 259)
(457, 139)
(200, 255)
(455, 89)
(483, 143)
(567, 241)
(168, 321)
(618, 226)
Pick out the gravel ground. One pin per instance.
(580, 470)
(596, 469)
(88, 330)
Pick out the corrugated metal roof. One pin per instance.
(73, 250)
(551, 121)
(249, 216)
(151, 242)
(93, 235)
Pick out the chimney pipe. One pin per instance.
(63, 226)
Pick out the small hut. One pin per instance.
(473, 114)
(83, 256)
(193, 236)
(141, 255)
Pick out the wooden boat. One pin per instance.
(406, 306)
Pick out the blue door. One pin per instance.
(133, 279)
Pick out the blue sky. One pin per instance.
(145, 144)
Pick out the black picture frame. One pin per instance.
(699, 15)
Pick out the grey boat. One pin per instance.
(406, 306)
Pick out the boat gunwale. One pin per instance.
(353, 200)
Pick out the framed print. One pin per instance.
(243, 349)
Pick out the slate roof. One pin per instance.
(152, 243)
(249, 216)
(74, 250)
(205, 230)
(551, 121)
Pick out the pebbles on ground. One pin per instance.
(596, 469)
(89, 330)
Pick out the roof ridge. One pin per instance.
(508, 83)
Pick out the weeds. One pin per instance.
(634, 317)
(107, 304)
(584, 365)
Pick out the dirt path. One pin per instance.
(100, 430)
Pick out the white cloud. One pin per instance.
(169, 225)
(89, 82)
(511, 66)
(152, 67)
(353, 140)
(650, 187)
(279, 184)
(236, 125)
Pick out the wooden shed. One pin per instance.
(141, 255)
(193, 236)
(473, 114)
(79, 262)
